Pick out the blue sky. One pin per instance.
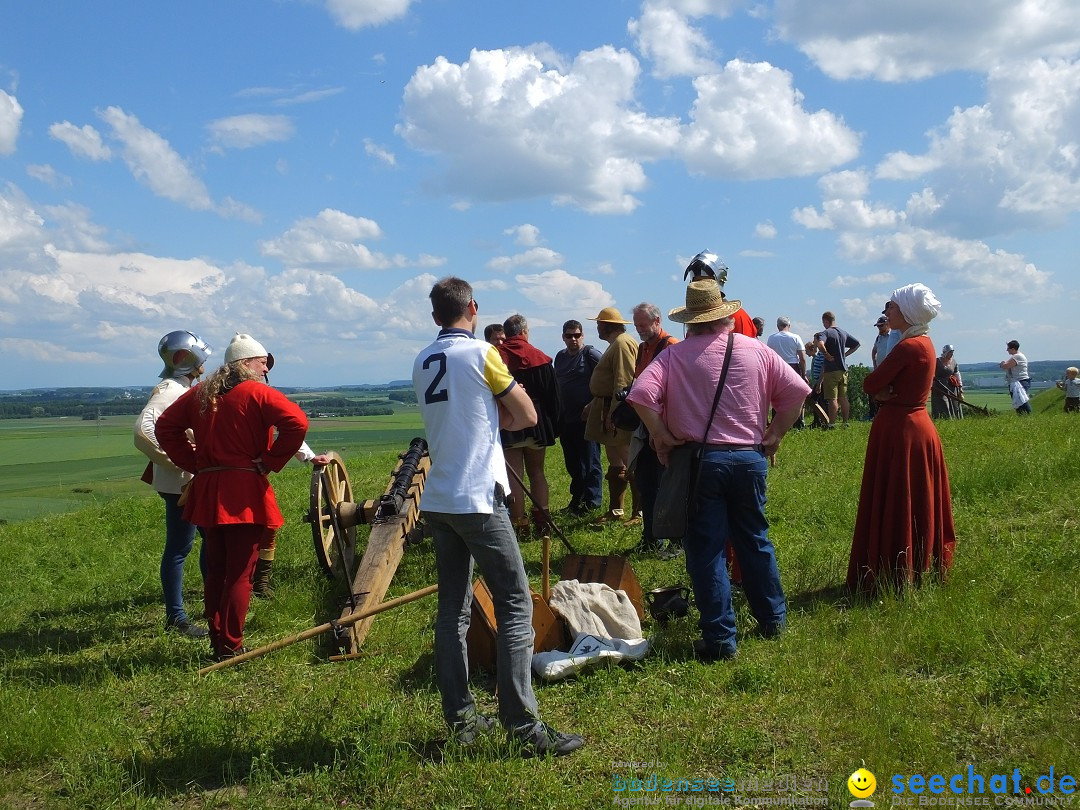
(304, 171)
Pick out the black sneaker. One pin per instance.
(709, 651)
(466, 732)
(541, 740)
(186, 628)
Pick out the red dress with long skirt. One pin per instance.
(904, 525)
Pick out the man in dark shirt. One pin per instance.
(573, 368)
(837, 345)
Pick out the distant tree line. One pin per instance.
(12, 409)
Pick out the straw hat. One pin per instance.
(609, 315)
(704, 302)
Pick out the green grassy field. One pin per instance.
(50, 466)
(101, 709)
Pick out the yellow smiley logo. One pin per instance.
(862, 783)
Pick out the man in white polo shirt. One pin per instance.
(790, 348)
(466, 394)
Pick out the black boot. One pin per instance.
(260, 585)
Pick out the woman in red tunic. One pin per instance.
(232, 416)
(904, 525)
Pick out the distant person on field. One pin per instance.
(1016, 375)
(837, 345)
(494, 334)
(813, 376)
(790, 348)
(947, 384)
(759, 326)
(184, 355)
(879, 353)
(466, 394)
(573, 369)
(904, 524)
(233, 415)
(1071, 386)
(526, 449)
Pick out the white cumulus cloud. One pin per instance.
(11, 113)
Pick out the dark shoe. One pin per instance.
(572, 508)
(186, 628)
(467, 732)
(541, 740)
(768, 630)
(225, 655)
(709, 651)
(260, 583)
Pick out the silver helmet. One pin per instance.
(183, 353)
(707, 265)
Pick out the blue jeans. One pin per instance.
(582, 459)
(731, 506)
(490, 540)
(179, 538)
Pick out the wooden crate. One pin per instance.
(611, 569)
(549, 629)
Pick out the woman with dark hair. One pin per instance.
(233, 416)
(904, 526)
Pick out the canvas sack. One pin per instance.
(678, 490)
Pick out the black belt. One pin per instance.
(733, 447)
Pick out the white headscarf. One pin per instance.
(918, 305)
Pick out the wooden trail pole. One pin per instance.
(322, 628)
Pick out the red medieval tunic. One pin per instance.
(240, 430)
(532, 369)
(904, 525)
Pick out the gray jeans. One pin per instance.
(491, 541)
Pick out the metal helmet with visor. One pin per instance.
(706, 265)
(183, 354)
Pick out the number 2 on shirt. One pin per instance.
(434, 394)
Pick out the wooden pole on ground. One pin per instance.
(322, 628)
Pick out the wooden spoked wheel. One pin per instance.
(332, 515)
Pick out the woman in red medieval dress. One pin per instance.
(904, 527)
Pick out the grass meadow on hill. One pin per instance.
(101, 709)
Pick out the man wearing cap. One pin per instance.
(790, 348)
(878, 353)
(233, 416)
(674, 397)
(184, 355)
(612, 374)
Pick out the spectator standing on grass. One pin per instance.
(904, 525)
(466, 394)
(790, 348)
(837, 345)
(184, 355)
(674, 397)
(232, 416)
(1015, 367)
(946, 382)
(645, 475)
(878, 353)
(573, 368)
(1071, 386)
(526, 449)
(612, 374)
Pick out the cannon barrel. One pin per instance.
(391, 502)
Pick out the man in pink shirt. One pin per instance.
(674, 397)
